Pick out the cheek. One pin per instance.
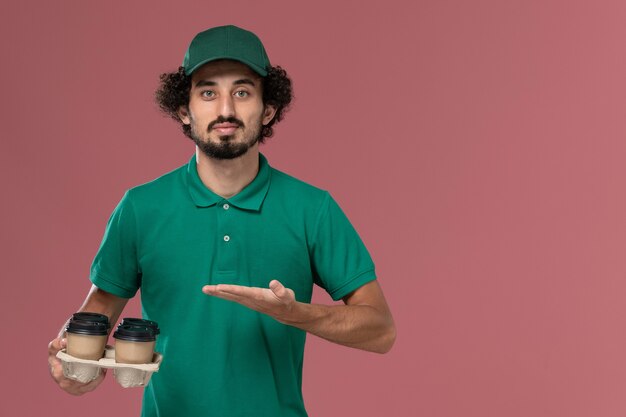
(250, 119)
(198, 114)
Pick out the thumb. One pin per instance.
(277, 288)
(285, 294)
(56, 345)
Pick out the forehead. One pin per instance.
(224, 69)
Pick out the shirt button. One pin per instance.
(226, 238)
(226, 206)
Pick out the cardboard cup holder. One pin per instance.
(126, 374)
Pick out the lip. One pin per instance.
(225, 128)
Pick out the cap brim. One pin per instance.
(261, 71)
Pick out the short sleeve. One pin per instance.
(341, 262)
(115, 266)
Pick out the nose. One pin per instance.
(227, 106)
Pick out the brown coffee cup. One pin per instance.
(134, 344)
(86, 339)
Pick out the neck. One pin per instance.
(227, 177)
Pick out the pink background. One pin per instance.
(478, 147)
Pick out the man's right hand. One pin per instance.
(56, 370)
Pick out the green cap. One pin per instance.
(226, 42)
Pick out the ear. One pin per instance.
(183, 114)
(268, 114)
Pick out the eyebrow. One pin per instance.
(245, 81)
(203, 83)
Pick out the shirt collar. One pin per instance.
(250, 198)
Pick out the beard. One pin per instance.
(226, 148)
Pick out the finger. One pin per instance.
(283, 293)
(59, 377)
(219, 288)
(208, 289)
(56, 367)
(277, 288)
(239, 290)
(56, 345)
(229, 297)
(255, 301)
(214, 292)
(279, 291)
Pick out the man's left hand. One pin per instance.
(276, 301)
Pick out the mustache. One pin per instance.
(222, 119)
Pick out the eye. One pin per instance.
(207, 93)
(242, 94)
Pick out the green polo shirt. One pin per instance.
(171, 236)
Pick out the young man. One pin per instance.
(226, 251)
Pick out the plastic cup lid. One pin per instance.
(90, 328)
(141, 322)
(133, 333)
(94, 317)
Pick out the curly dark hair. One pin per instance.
(173, 92)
